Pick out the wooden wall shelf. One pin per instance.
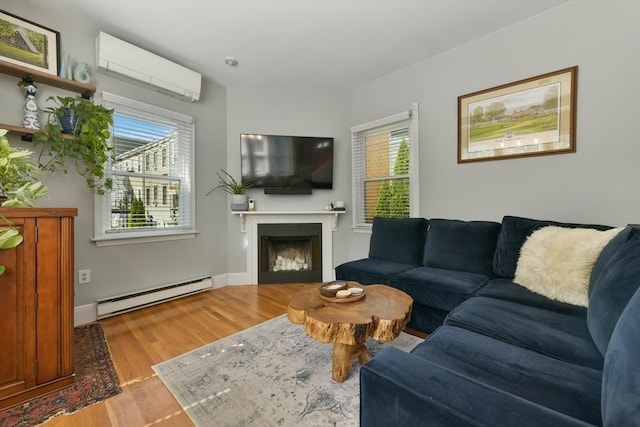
(26, 134)
(36, 76)
(48, 79)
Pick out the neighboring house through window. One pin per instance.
(385, 168)
(139, 132)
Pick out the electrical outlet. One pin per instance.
(84, 276)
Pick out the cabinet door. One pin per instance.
(54, 286)
(17, 311)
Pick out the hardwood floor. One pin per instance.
(145, 337)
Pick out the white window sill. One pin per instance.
(360, 229)
(149, 237)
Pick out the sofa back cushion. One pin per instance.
(461, 245)
(621, 376)
(513, 233)
(611, 292)
(608, 251)
(398, 239)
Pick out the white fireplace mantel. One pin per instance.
(249, 221)
(332, 214)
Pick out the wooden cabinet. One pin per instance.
(36, 305)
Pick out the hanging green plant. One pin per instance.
(10, 237)
(86, 143)
(19, 177)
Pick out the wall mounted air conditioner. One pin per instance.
(124, 60)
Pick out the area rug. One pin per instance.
(95, 381)
(272, 374)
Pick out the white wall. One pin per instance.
(127, 268)
(600, 183)
(279, 112)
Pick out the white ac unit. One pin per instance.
(132, 63)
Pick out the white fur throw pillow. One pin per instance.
(556, 262)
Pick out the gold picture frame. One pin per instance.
(530, 117)
(28, 44)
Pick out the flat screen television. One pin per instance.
(283, 164)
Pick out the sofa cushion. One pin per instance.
(608, 251)
(569, 389)
(426, 319)
(434, 287)
(461, 245)
(506, 289)
(513, 233)
(398, 389)
(556, 261)
(561, 335)
(621, 376)
(398, 239)
(370, 270)
(613, 289)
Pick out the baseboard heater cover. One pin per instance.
(132, 301)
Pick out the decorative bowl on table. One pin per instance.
(331, 288)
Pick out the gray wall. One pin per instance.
(119, 269)
(301, 113)
(599, 183)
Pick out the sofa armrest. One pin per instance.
(399, 389)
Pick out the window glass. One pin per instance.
(141, 133)
(384, 171)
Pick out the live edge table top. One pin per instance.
(382, 315)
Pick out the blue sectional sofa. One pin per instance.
(500, 354)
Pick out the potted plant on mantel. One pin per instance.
(77, 130)
(237, 189)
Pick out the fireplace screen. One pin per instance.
(289, 253)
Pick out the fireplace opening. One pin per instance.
(289, 253)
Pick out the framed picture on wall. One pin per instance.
(28, 44)
(531, 117)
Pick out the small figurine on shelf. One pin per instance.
(30, 120)
(81, 73)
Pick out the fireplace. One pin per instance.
(249, 222)
(289, 252)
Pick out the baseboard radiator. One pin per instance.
(135, 300)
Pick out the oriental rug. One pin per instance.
(272, 374)
(96, 380)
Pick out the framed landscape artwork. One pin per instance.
(28, 44)
(530, 117)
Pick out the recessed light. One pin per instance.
(231, 61)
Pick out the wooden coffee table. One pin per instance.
(382, 314)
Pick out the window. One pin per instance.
(140, 132)
(385, 173)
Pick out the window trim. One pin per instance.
(100, 237)
(414, 179)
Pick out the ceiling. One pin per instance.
(332, 44)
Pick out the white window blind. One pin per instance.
(153, 152)
(384, 170)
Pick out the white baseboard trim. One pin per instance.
(230, 279)
(88, 313)
(85, 314)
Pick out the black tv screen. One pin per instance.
(282, 164)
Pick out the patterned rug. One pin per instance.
(273, 374)
(95, 381)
